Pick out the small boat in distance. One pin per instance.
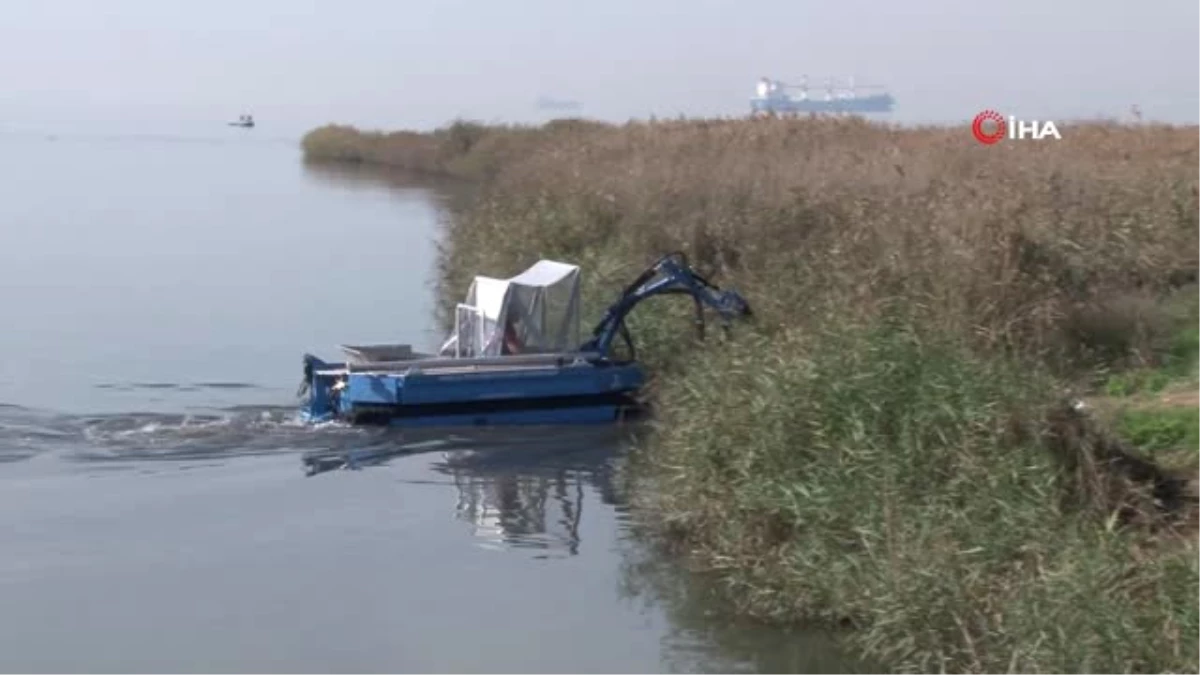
(245, 121)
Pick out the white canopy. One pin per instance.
(536, 311)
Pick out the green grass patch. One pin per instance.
(1155, 430)
(889, 477)
(1175, 354)
(1183, 354)
(1150, 381)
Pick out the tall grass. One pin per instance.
(875, 448)
(462, 149)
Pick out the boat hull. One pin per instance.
(404, 418)
(881, 103)
(494, 394)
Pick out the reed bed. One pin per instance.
(887, 444)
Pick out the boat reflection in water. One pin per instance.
(510, 511)
(519, 488)
(528, 492)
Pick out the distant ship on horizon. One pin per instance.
(548, 103)
(772, 96)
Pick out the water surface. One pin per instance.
(154, 515)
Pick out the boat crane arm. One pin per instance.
(670, 275)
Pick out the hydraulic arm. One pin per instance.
(670, 275)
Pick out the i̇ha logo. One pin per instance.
(990, 126)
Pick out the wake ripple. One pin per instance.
(233, 431)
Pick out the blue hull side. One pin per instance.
(600, 414)
(588, 394)
(604, 414)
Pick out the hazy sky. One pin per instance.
(393, 63)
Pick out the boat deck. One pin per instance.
(439, 370)
(461, 365)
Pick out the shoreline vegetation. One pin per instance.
(890, 445)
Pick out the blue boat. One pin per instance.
(513, 358)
